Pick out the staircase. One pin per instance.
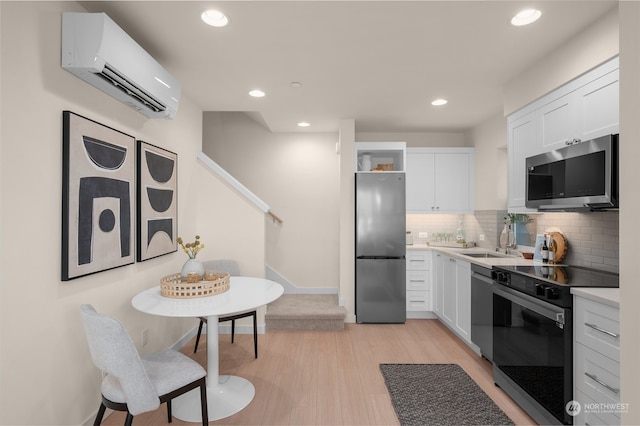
(306, 312)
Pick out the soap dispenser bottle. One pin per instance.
(460, 234)
(504, 236)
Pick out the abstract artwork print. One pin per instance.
(98, 169)
(157, 201)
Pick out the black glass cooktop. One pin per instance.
(562, 275)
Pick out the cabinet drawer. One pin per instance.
(592, 413)
(418, 280)
(418, 300)
(598, 326)
(418, 260)
(596, 376)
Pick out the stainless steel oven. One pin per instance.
(533, 335)
(532, 351)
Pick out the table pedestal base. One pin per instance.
(229, 396)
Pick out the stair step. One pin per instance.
(305, 312)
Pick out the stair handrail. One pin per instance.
(237, 185)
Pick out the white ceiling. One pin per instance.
(377, 62)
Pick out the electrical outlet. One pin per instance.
(481, 237)
(145, 336)
(424, 235)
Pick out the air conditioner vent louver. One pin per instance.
(122, 84)
(97, 50)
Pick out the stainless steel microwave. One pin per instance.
(578, 177)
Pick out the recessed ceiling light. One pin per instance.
(256, 93)
(215, 18)
(296, 84)
(439, 102)
(303, 124)
(525, 17)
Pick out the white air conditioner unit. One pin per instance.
(97, 50)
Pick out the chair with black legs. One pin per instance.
(230, 266)
(134, 384)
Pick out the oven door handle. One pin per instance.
(547, 310)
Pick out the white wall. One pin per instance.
(47, 376)
(490, 142)
(347, 222)
(585, 51)
(296, 174)
(416, 139)
(629, 208)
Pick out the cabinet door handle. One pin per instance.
(601, 383)
(601, 330)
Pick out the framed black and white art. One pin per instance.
(157, 201)
(98, 172)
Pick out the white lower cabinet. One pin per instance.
(449, 291)
(418, 281)
(463, 299)
(596, 367)
(452, 293)
(438, 282)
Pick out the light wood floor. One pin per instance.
(333, 378)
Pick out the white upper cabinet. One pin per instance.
(558, 123)
(523, 137)
(581, 110)
(588, 112)
(440, 180)
(420, 181)
(599, 104)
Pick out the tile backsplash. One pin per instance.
(592, 237)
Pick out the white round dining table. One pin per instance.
(226, 395)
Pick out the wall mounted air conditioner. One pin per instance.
(97, 50)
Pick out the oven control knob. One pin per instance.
(540, 289)
(551, 293)
(502, 277)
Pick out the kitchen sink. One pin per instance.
(485, 255)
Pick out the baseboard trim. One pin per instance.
(185, 339)
(222, 329)
(421, 315)
(290, 288)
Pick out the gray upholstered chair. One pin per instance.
(230, 266)
(133, 384)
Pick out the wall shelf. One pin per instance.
(371, 155)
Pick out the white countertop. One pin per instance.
(608, 296)
(487, 262)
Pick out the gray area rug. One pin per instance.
(439, 394)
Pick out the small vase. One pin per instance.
(192, 266)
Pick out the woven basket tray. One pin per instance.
(173, 286)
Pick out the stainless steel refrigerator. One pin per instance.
(380, 248)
